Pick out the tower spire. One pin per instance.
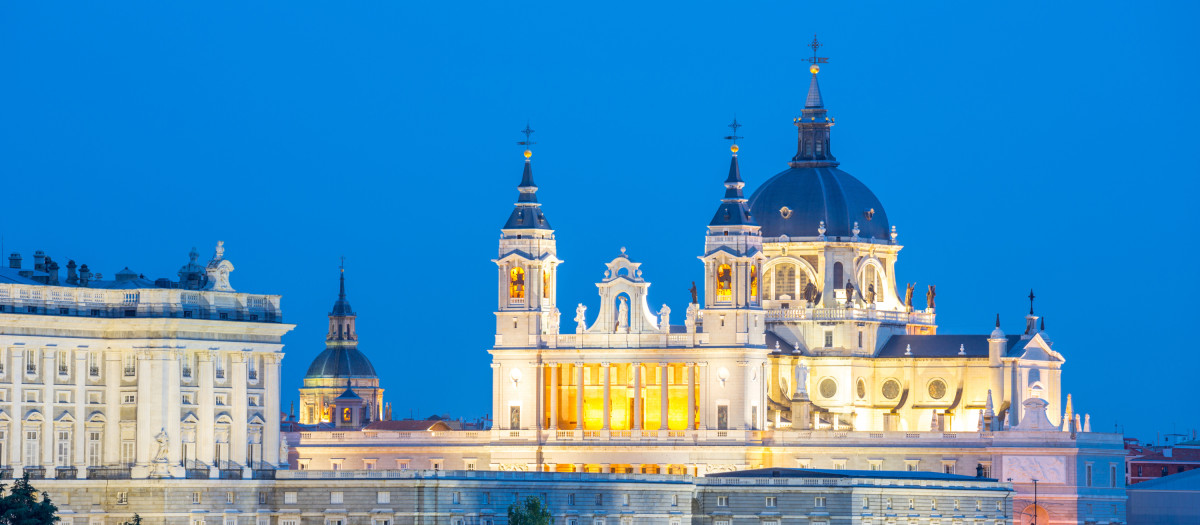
(528, 213)
(812, 141)
(733, 209)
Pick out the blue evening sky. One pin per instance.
(1023, 144)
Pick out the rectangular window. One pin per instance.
(455, 498)
(860, 334)
(866, 502)
(32, 456)
(94, 364)
(128, 452)
(722, 501)
(130, 362)
(570, 499)
(722, 417)
(335, 498)
(62, 449)
(625, 499)
(402, 464)
(828, 339)
(288, 497)
(819, 501)
(599, 500)
(912, 503)
(128, 398)
(1088, 475)
(195, 498)
(94, 448)
(383, 497)
(771, 501)
(674, 500)
(1112, 476)
(64, 362)
(122, 498)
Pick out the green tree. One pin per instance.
(530, 511)
(21, 506)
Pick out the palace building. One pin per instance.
(801, 348)
(131, 378)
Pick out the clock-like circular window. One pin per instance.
(828, 387)
(862, 388)
(937, 389)
(891, 389)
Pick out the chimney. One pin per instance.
(72, 277)
(14, 261)
(52, 269)
(39, 261)
(85, 275)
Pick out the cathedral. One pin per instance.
(801, 347)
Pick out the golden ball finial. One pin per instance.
(733, 148)
(814, 69)
(528, 153)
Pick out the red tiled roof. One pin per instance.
(409, 425)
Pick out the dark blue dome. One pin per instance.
(341, 361)
(795, 201)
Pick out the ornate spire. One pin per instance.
(341, 307)
(813, 124)
(733, 210)
(528, 212)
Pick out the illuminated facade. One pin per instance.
(132, 378)
(801, 348)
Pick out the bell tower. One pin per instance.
(733, 264)
(527, 266)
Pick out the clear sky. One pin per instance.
(1045, 145)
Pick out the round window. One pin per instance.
(862, 388)
(828, 387)
(937, 389)
(891, 389)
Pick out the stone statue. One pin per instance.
(908, 293)
(801, 379)
(160, 456)
(871, 293)
(849, 293)
(623, 315)
(664, 319)
(810, 293)
(283, 446)
(580, 318)
(929, 297)
(693, 290)
(554, 320)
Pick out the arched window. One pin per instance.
(753, 282)
(785, 281)
(545, 283)
(838, 278)
(724, 282)
(516, 283)
(872, 284)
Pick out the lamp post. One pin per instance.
(1035, 502)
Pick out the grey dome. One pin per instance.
(340, 361)
(815, 194)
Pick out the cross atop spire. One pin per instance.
(1031, 297)
(816, 59)
(528, 132)
(734, 137)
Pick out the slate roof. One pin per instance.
(815, 194)
(341, 361)
(927, 346)
(1189, 481)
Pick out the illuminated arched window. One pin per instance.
(516, 283)
(545, 283)
(724, 280)
(347, 414)
(753, 282)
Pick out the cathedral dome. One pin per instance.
(797, 200)
(340, 362)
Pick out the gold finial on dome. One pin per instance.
(733, 148)
(528, 153)
(814, 69)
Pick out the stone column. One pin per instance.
(705, 404)
(239, 377)
(747, 394)
(112, 407)
(604, 369)
(49, 433)
(206, 434)
(497, 388)
(539, 394)
(579, 396)
(271, 387)
(554, 393)
(665, 401)
(637, 396)
(79, 433)
(691, 408)
(17, 433)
